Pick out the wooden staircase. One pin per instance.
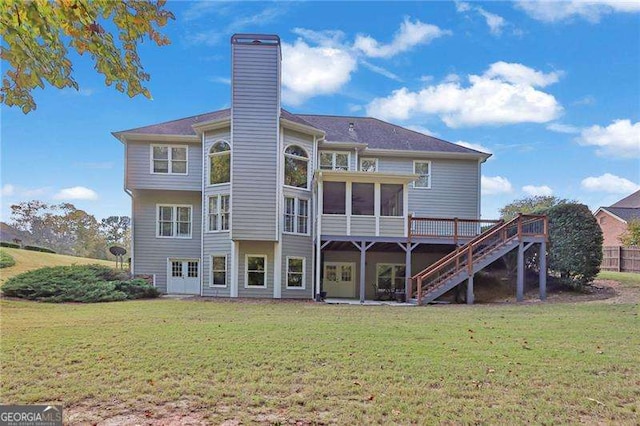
(475, 255)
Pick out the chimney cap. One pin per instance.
(256, 39)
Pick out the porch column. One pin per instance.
(407, 270)
(543, 271)
(520, 273)
(470, 295)
(363, 255)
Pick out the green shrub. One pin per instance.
(36, 248)
(575, 251)
(6, 260)
(78, 283)
(9, 245)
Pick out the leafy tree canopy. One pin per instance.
(538, 204)
(37, 36)
(631, 236)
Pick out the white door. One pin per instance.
(183, 276)
(339, 279)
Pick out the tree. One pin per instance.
(631, 237)
(37, 36)
(532, 205)
(117, 230)
(575, 251)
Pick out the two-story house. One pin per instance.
(255, 201)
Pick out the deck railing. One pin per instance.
(473, 251)
(456, 229)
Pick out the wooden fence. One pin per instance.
(621, 259)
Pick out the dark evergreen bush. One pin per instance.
(575, 251)
(6, 260)
(78, 283)
(9, 245)
(36, 248)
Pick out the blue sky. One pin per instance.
(551, 89)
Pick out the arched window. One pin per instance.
(219, 163)
(296, 163)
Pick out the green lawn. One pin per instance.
(277, 362)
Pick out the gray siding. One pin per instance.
(392, 226)
(334, 224)
(255, 121)
(362, 225)
(454, 187)
(151, 253)
(298, 246)
(139, 174)
(255, 248)
(218, 244)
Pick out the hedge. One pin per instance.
(6, 260)
(36, 248)
(9, 245)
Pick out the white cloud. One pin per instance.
(505, 94)
(476, 146)
(519, 74)
(619, 139)
(495, 22)
(221, 80)
(563, 128)
(409, 35)
(586, 100)
(592, 10)
(495, 185)
(422, 129)
(382, 71)
(609, 183)
(426, 78)
(76, 193)
(7, 190)
(354, 107)
(537, 190)
(308, 71)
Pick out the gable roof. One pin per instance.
(624, 213)
(376, 133)
(632, 201)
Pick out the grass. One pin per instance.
(279, 362)
(28, 260)
(625, 278)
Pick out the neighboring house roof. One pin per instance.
(632, 201)
(624, 213)
(376, 133)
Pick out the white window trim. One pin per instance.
(429, 175)
(174, 221)
(246, 270)
(170, 167)
(226, 271)
(367, 159)
(393, 271)
(296, 215)
(218, 215)
(307, 159)
(209, 155)
(333, 159)
(304, 273)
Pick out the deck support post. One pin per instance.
(470, 295)
(520, 273)
(363, 256)
(407, 271)
(543, 271)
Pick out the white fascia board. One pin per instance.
(148, 137)
(426, 154)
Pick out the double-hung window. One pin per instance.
(218, 271)
(255, 270)
(334, 160)
(423, 169)
(218, 213)
(295, 272)
(296, 215)
(169, 159)
(174, 221)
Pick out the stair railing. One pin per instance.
(469, 254)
